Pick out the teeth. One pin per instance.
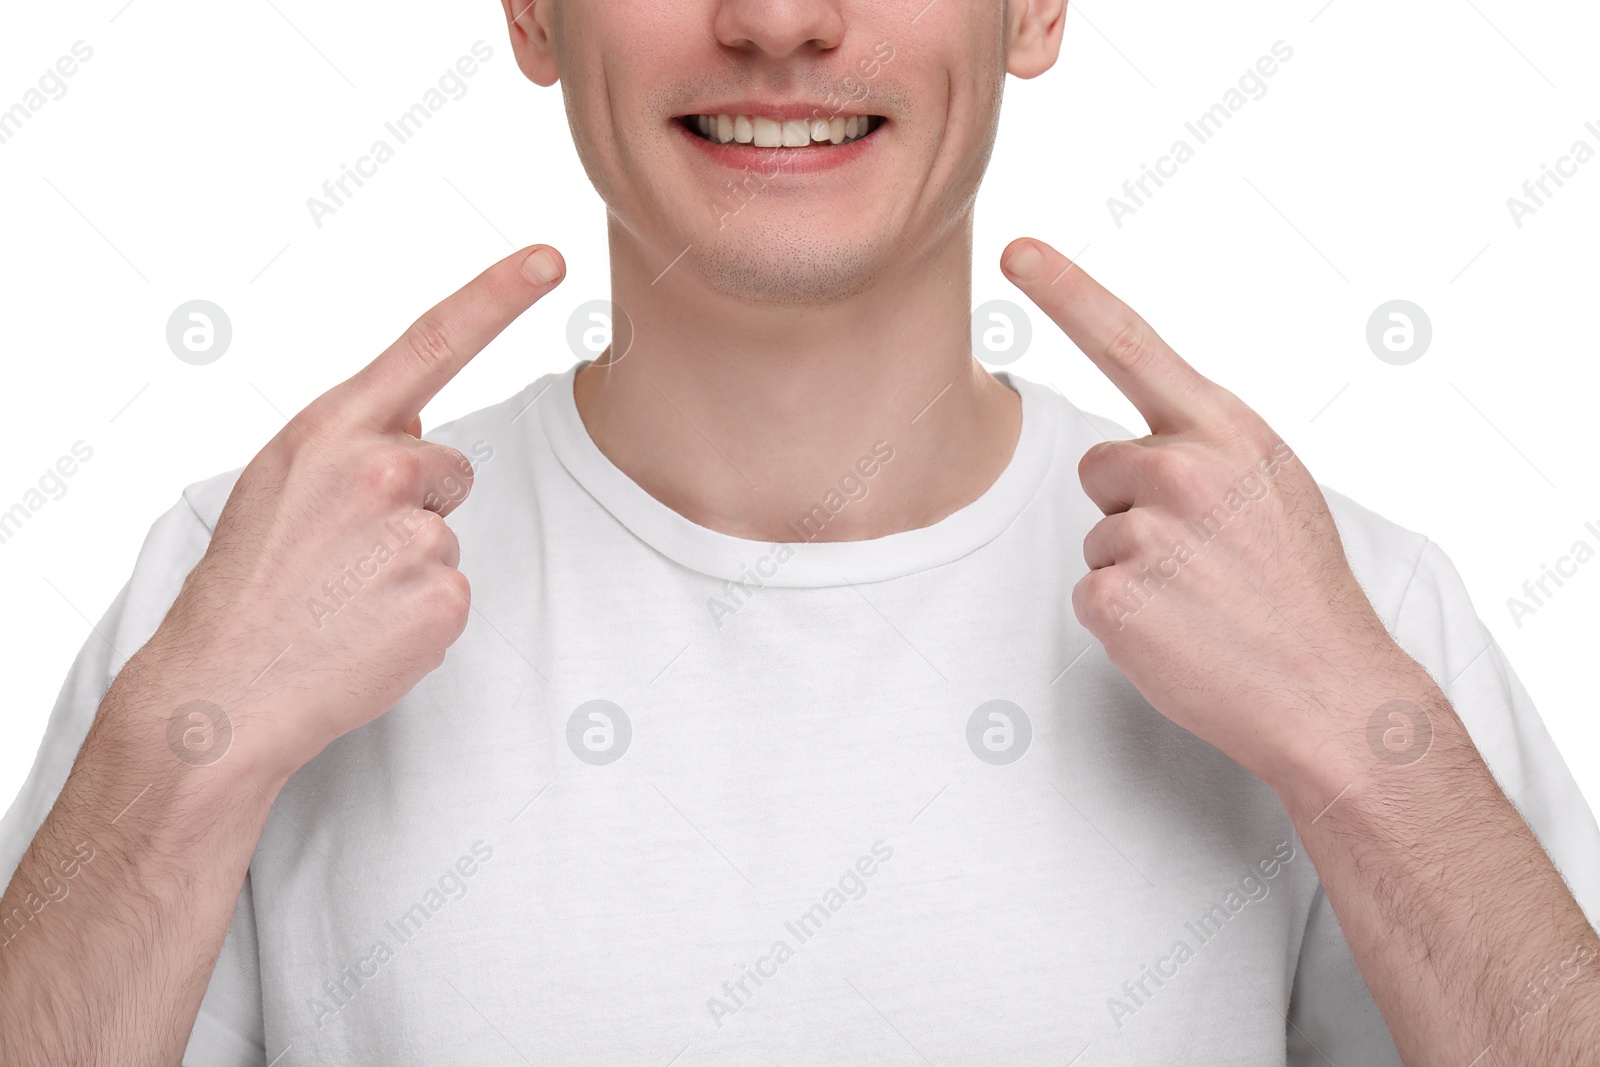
(775, 133)
(768, 134)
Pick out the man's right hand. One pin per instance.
(330, 585)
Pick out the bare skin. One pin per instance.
(824, 316)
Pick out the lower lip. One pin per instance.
(771, 162)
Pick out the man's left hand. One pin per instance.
(1217, 582)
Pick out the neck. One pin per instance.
(745, 417)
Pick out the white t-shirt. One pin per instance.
(681, 798)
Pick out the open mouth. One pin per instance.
(764, 132)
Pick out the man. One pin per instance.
(801, 705)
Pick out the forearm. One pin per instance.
(139, 866)
(1467, 936)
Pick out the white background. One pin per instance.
(1377, 166)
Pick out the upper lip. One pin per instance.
(799, 109)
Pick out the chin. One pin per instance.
(797, 272)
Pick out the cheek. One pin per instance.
(956, 109)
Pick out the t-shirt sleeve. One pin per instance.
(1332, 1016)
(228, 1032)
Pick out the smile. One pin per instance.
(764, 132)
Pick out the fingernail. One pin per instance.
(1026, 260)
(541, 268)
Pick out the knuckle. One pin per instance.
(313, 431)
(314, 422)
(390, 473)
(431, 533)
(453, 595)
(1131, 345)
(276, 455)
(429, 342)
(446, 545)
(1097, 602)
(430, 658)
(454, 482)
(1180, 470)
(1096, 545)
(433, 544)
(1241, 422)
(1095, 456)
(442, 600)
(1197, 499)
(1143, 528)
(1231, 407)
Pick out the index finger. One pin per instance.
(390, 392)
(1169, 393)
